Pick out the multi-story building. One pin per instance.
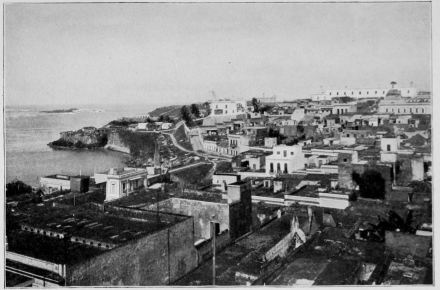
(227, 107)
(367, 93)
(285, 159)
(121, 182)
(396, 103)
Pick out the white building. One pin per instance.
(297, 115)
(397, 104)
(221, 180)
(368, 93)
(227, 107)
(55, 182)
(285, 159)
(121, 182)
(320, 97)
(344, 108)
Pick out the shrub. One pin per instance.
(371, 184)
(17, 187)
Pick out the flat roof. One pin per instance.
(90, 224)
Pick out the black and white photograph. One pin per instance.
(212, 144)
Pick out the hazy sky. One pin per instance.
(175, 53)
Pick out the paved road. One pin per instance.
(204, 154)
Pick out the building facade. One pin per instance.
(285, 159)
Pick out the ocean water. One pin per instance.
(28, 132)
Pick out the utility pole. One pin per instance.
(213, 224)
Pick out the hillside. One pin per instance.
(172, 111)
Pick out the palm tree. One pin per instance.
(393, 83)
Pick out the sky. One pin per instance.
(173, 53)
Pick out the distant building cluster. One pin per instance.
(334, 189)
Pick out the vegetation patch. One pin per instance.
(140, 144)
(194, 175)
(181, 138)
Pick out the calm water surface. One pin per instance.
(28, 132)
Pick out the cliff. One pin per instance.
(115, 143)
(88, 137)
(137, 144)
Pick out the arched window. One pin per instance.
(271, 167)
(278, 167)
(285, 168)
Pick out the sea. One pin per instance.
(28, 131)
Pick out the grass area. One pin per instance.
(168, 110)
(181, 138)
(194, 175)
(224, 166)
(140, 144)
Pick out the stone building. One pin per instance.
(101, 245)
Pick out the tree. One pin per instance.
(265, 108)
(275, 133)
(186, 115)
(371, 184)
(393, 83)
(17, 187)
(207, 108)
(195, 110)
(256, 104)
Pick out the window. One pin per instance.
(368, 92)
(375, 92)
(216, 106)
(278, 152)
(398, 110)
(285, 168)
(408, 91)
(345, 94)
(383, 92)
(285, 153)
(386, 110)
(360, 93)
(345, 160)
(330, 93)
(392, 110)
(404, 110)
(337, 93)
(423, 110)
(352, 93)
(410, 110)
(271, 167)
(388, 147)
(348, 135)
(226, 106)
(291, 153)
(278, 167)
(417, 110)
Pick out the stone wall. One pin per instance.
(202, 212)
(140, 263)
(157, 259)
(115, 143)
(240, 213)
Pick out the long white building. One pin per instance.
(369, 93)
